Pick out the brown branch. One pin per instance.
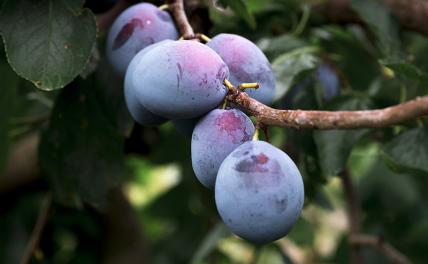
(380, 245)
(38, 230)
(353, 213)
(412, 14)
(331, 119)
(180, 18)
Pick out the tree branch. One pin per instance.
(312, 119)
(180, 18)
(412, 14)
(380, 245)
(38, 230)
(331, 119)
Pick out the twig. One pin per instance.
(179, 15)
(353, 212)
(38, 230)
(380, 245)
(412, 14)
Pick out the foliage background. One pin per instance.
(127, 194)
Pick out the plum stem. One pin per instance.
(228, 84)
(204, 38)
(164, 7)
(256, 135)
(244, 86)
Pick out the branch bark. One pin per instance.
(412, 14)
(180, 18)
(331, 119)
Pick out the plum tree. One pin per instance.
(136, 28)
(259, 192)
(246, 63)
(172, 84)
(216, 136)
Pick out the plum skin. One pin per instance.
(246, 63)
(215, 136)
(135, 108)
(259, 192)
(329, 80)
(134, 29)
(173, 84)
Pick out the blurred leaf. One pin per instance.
(393, 192)
(210, 242)
(278, 45)
(272, 255)
(241, 9)
(334, 146)
(47, 42)
(81, 152)
(287, 66)
(302, 233)
(407, 71)
(409, 151)
(382, 23)
(8, 85)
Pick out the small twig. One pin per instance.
(380, 245)
(38, 230)
(179, 15)
(353, 212)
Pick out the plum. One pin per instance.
(216, 136)
(329, 80)
(136, 28)
(246, 63)
(259, 192)
(135, 108)
(180, 79)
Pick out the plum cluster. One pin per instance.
(259, 191)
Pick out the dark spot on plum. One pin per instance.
(178, 82)
(228, 121)
(222, 72)
(281, 204)
(195, 137)
(148, 41)
(126, 32)
(163, 15)
(180, 69)
(229, 220)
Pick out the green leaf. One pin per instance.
(8, 84)
(334, 146)
(382, 23)
(287, 66)
(302, 233)
(241, 9)
(47, 42)
(276, 46)
(82, 150)
(409, 151)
